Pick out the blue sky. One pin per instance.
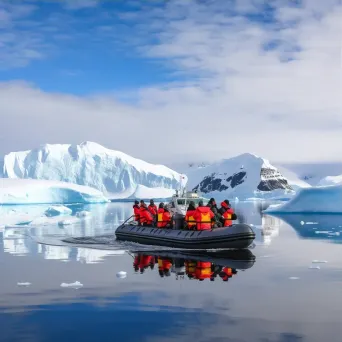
(274, 66)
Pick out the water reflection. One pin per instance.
(194, 265)
(314, 226)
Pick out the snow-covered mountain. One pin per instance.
(244, 176)
(116, 174)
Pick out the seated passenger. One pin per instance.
(152, 208)
(167, 219)
(227, 214)
(218, 217)
(136, 210)
(146, 217)
(160, 222)
(190, 216)
(204, 217)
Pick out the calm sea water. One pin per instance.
(276, 294)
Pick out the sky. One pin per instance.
(172, 81)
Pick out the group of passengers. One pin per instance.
(200, 218)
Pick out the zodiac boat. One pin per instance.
(236, 236)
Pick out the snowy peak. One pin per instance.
(241, 176)
(115, 173)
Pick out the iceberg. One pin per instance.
(325, 199)
(116, 174)
(31, 191)
(57, 210)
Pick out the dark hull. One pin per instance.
(236, 236)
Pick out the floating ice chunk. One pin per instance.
(302, 223)
(294, 278)
(319, 261)
(24, 284)
(121, 274)
(75, 285)
(57, 210)
(311, 223)
(65, 223)
(83, 213)
(314, 267)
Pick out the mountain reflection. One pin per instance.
(200, 266)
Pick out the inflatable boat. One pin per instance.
(236, 236)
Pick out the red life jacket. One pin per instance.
(160, 221)
(203, 217)
(166, 218)
(153, 209)
(145, 261)
(227, 215)
(226, 273)
(136, 212)
(190, 218)
(145, 216)
(203, 270)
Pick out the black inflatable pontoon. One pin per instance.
(236, 236)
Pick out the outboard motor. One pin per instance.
(178, 220)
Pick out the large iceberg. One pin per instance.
(32, 191)
(325, 199)
(114, 173)
(245, 176)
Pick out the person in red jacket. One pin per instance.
(204, 217)
(152, 208)
(190, 216)
(136, 210)
(160, 214)
(227, 214)
(167, 219)
(146, 217)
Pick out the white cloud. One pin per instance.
(238, 97)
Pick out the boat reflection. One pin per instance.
(194, 265)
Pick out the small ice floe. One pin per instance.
(83, 213)
(24, 284)
(302, 223)
(65, 223)
(75, 285)
(314, 267)
(293, 278)
(319, 261)
(57, 210)
(311, 222)
(121, 274)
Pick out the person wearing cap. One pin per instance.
(227, 214)
(146, 218)
(136, 210)
(213, 207)
(204, 217)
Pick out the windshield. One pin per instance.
(185, 201)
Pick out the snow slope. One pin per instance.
(244, 176)
(31, 191)
(116, 174)
(330, 180)
(327, 199)
(312, 173)
(293, 179)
